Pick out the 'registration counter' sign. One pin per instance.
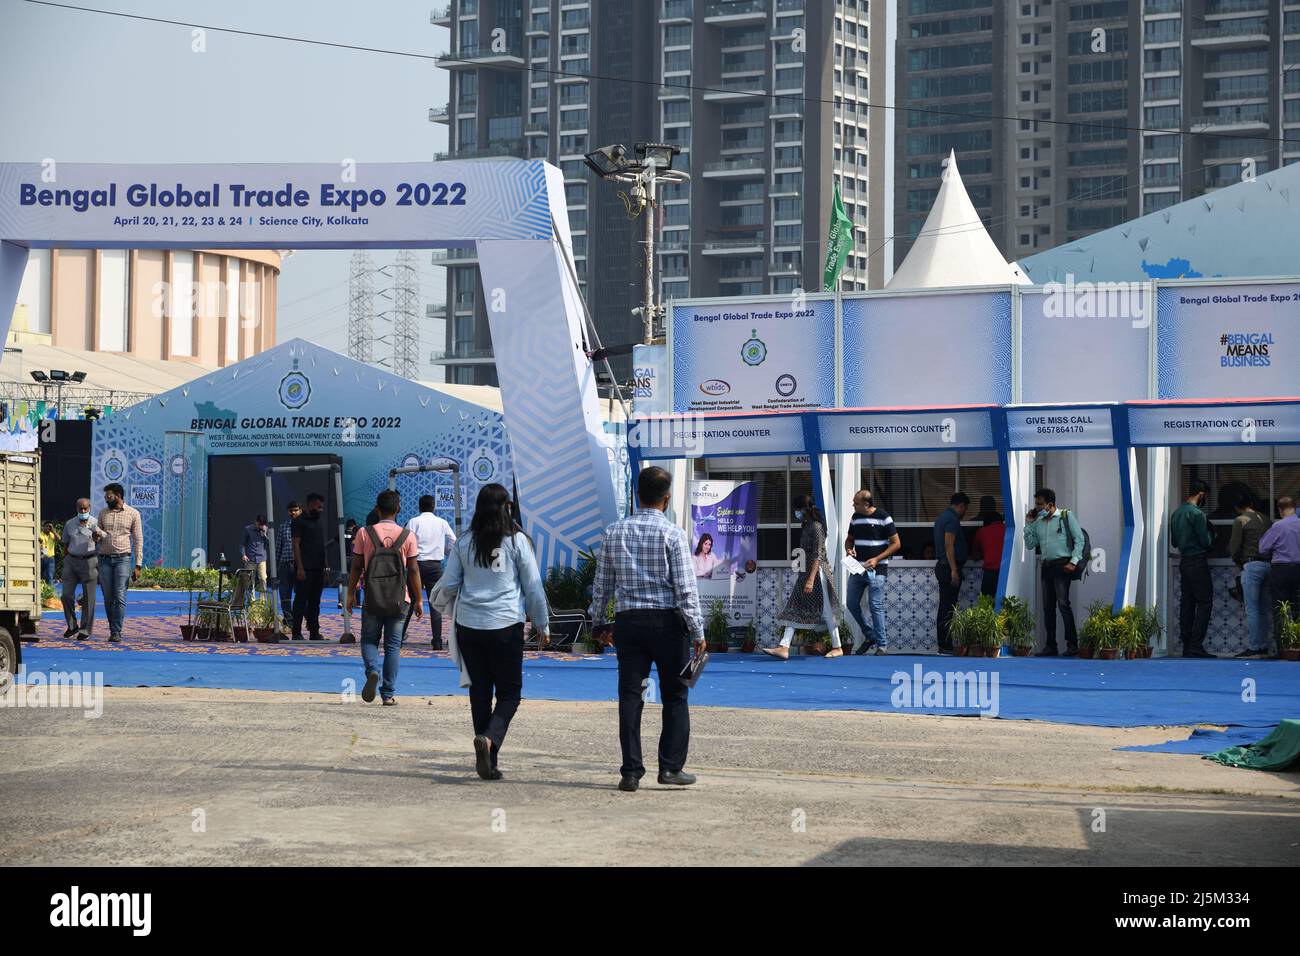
(694, 436)
(906, 431)
(1214, 425)
(754, 356)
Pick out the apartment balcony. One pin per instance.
(672, 247)
(473, 57)
(1213, 7)
(455, 257)
(463, 357)
(440, 114)
(735, 88)
(1244, 118)
(741, 168)
(1165, 152)
(537, 129)
(676, 11)
(736, 12)
(733, 247)
(784, 269)
(1231, 34)
(514, 148)
(441, 16)
(790, 6)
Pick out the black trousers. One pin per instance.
(989, 582)
(1056, 596)
(495, 661)
(430, 572)
(948, 595)
(642, 638)
(306, 600)
(287, 580)
(1194, 605)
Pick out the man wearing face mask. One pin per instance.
(81, 536)
(1058, 538)
(310, 564)
(1189, 532)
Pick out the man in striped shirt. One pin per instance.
(284, 562)
(872, 539)
(645, 566)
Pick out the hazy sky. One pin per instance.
(86, 87)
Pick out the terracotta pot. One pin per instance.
(187, 632)
(749, 647)
(1022, 651)
(1085, 653)
(241, 635)
(53, 604)
(265, 635)
(959, 650)
(1291, 654)
(1106, 653)
(816, 648)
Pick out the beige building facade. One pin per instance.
(210, 308)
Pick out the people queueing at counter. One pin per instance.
(989, 541)
(1247, 529)
(1189, 532)
(1280, 545)
(950, 553)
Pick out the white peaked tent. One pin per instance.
(953, 248)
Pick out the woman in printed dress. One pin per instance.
(812, 605)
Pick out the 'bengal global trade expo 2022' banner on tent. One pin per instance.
(724, 546)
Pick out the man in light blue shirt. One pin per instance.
(1057, 537)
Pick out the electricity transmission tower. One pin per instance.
(406, 323)
(361, 308)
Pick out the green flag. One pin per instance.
(839, 243)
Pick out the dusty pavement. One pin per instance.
(191, 777)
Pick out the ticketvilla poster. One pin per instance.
(724, 546)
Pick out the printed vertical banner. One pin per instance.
(724, 546)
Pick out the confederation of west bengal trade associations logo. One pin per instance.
(295, 388)
(754, 351)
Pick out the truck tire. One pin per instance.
(8, 658)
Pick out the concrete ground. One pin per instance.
(198, 777)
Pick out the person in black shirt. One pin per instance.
(310, 566)
(872, 539)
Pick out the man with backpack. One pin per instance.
(1061, 543)
(385, 553)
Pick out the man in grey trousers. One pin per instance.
(81, 536)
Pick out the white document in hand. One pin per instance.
(852, 564)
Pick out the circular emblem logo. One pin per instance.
(754, 351)
(295, 388)
(114, 465)
(715, 386)
(786, 384)
(178, 465)
(148, 466)
(482, 467)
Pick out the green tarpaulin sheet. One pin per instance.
(1278, 751)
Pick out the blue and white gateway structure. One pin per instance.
(511, 211)
(1115, 395)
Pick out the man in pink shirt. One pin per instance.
(386, 554)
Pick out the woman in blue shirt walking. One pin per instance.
(492, 572)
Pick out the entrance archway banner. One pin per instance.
(514, 208)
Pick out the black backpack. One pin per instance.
(386, 576)
(1085, 563)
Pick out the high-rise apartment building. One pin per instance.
(1064, 114)
(767, 100)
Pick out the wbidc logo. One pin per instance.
(76, 909)
(715, 386)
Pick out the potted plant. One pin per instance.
(1139, 628)
(1288, 632)
(979, 628)
(751, 639)
(716, 627)
(1094, 627)
(49, 600)
(262, 616)
(1018, 625)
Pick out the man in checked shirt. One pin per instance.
(121, 553)
(645, 565)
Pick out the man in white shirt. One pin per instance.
(433, 536)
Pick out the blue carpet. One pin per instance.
(1098, 693)
(1206, 741)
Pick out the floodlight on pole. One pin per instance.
(653, 164)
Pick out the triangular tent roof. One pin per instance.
(953, 247)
